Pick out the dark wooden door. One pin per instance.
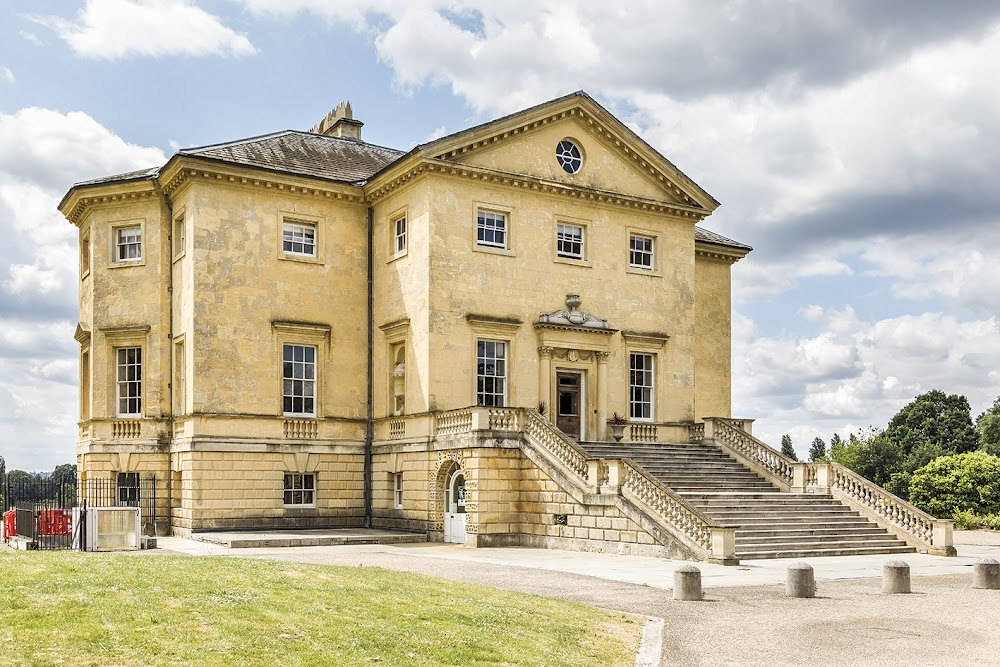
(568, 407)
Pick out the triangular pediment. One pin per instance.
(615, 159)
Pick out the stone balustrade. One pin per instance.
(910, 524)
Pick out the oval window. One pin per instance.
(569, 156)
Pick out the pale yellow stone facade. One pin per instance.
(217, 298)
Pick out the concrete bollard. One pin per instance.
(986, 574)
(687, 583)
(896, 577)
(801, 582)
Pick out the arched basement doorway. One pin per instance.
(454, 506)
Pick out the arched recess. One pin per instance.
(448, 463)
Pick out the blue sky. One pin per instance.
(853, 144)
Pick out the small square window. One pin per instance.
(640, 253)
(569, 241)
(128, 489)
(397, 489)
(298, 238)
(491, 229)
(399, 244)
(300, 489)
(128, 244)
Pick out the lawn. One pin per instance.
(62, 608)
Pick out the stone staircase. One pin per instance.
(770, 523)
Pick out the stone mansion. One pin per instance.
(303, 329)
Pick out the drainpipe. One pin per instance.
(170, 346)
(370, 422)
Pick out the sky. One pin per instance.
(854, 144)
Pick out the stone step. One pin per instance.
(828, 551)
(752, 533)
(743, 541)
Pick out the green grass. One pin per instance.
(61, 608)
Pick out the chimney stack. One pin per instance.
(340, 123)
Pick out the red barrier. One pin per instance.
(54, 522)
(8, 524)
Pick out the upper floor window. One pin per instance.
(399, 245)
(298, 380)
(128, 385)
(128, 244)
(491, 229)
(569, 156)
(640, 252)
(84, 255)
(491, 373)
(641, 386)
(569, 241)
(180, 236)
(298, 238)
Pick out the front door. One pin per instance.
(569, 403)
(454, 510)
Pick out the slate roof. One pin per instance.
(718, 239)
(304, 154)
(139, 175)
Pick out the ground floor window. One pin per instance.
(397, 489)
(300, 489)
(641, 386)
(128, 489)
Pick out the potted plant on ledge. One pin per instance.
(617, 424)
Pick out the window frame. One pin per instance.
(564, 156)
(303, 334)
(131, 487)
(649, 388)
(115, 229)
(180, 371)
(654, 253)
(312, 382)
(302, 489)
(304, 221)
(86, 254)
(178, 235)
(584, 226)
(563, 237)
(507, 248)
(399, 237)
(397, 490)
(138, 383)
(481, 378)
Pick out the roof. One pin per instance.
(138, 175)
(303, 153)
(718, 239)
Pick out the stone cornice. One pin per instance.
(80, 200)
(428, 166)
(718, 253)
(641, 159)
(184, 169)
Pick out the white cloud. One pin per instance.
(42, 153)
(852, 372)
(6, 75)
(114, 29)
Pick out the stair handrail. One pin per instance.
(724, 432)
(557, 444)
(665, 503)
(911, 524)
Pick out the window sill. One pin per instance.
(494, 250)
(573, 262)
(303, 259)
(179, 256)
(128, 264)
(85, 275)
(643, 272)
(398, 255)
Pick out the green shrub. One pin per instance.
(968, 481)
(991, 521)
(966, 520)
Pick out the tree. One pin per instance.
(931, 425)
(65, 471)
(960, 482)
(817, 452)
(787, 449)
(870, 454)
(988, 429)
